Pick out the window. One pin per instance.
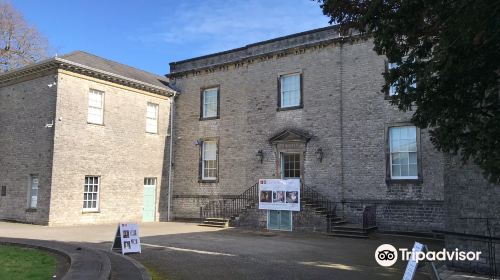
(152, 118)
(392, 88)
(4, 191)
(33, 191)
(150, 181)
(209, 160)
(290, 95)
(403, 152)
(290, 166)
(95, 110)
(210, 103)
(91, 193)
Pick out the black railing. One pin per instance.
(309, 195)
(370, 216)
(230, 208)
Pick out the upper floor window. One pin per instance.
(403, 152)
(96, 107)
(209, 160)
(290, 91)
(392, 88)
(210, 103)
(152, 118)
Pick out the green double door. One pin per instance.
(279, 220)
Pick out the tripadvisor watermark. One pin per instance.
(387, 255)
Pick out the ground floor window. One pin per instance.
(33, 191)
(209, 160)
(91, 193)
(403, 152)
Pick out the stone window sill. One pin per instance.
(30, 210)
(209, 118)
(208, 181)
(404, 182)
(289, 108)
(91, 212)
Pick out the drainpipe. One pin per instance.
(342, 168)
(171, 153)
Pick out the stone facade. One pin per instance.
(472, 208)
(26, 146)
(120, 152)
(344, 112)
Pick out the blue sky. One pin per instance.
(150, 34)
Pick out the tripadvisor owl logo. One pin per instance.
(386, 255)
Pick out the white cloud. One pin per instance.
(213, 26)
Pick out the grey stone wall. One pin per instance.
(26, 146)
(399, 215)
(344, 111)
(306, 220)
(472, 207)
(120, 151)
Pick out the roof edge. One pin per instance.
(60, 63)
(256, 44)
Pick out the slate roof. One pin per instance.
(106, 65)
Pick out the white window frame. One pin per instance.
(214, 161)
(206, 103)
(393, 86)
(403, 151)
(297, 91)
(152, 122)
(94, 110)
(33, 191)
(87, 192)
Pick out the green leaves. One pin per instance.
(451, 49)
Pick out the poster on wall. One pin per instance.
(277, 194)
(127, 239)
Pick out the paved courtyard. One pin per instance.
(187, 251)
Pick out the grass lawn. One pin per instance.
(25, 263)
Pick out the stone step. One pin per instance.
(214, 222)
(348, 235)
(350, 232)
(349, 227)
(216, 219)
(213, 225)
(312, 205)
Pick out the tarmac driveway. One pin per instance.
(188, 251)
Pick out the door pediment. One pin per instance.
(289, 135)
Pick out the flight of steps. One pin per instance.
(215, 222)
(344, 229)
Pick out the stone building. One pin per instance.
(83, 140)
(88, 140)
(311, 105)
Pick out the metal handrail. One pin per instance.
(314, 197)
(229, 208)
